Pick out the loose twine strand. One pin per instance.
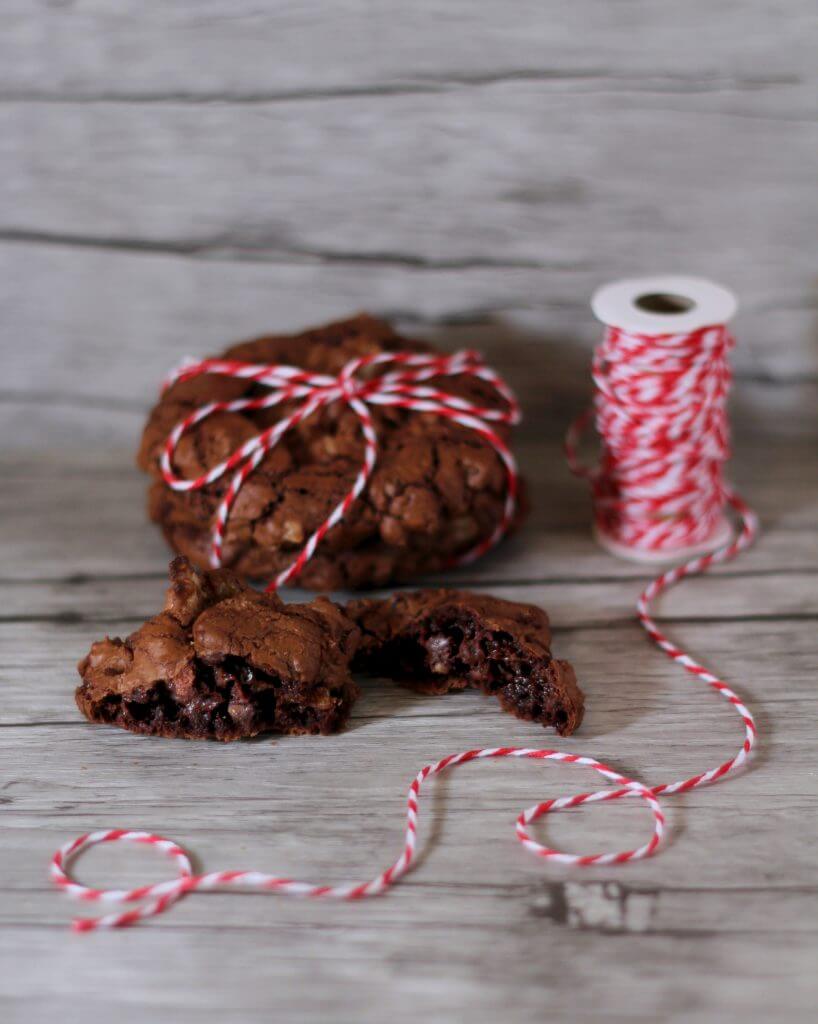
(660, 412)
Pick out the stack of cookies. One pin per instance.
(224, 661)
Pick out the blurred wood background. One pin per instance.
(177, 175)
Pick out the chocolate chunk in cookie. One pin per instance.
(223, 662)
(434, 641)
(438, 488)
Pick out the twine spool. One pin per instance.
(662, 378)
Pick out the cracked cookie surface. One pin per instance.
(434, 641)
(224, 662)
(436, 490)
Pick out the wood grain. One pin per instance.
(738, 876)
(508, 174)
(179, 175)
(70, 308)
(206, 49)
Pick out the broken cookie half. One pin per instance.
(223, 662)
(434, 641)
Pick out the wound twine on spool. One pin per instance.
(662, 380)
(632, 370)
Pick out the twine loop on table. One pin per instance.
(159, 897)
(401, 388)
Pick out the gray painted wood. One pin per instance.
(723, 923)
(445, 160)
(206, 48)
(73, 306)
(182, 174)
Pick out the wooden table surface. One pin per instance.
(180, 175)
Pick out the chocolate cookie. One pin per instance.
(223, 661)
(434, 641)
(437, 489)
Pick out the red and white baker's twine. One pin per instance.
(698, 427)
(661, 411)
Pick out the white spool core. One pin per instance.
(666, 304)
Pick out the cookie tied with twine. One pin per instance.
(346, 456)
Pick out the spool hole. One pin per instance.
(664, 302)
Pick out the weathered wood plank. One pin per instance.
(572, 604)
(455, 179)
(152, 309)
(306, 200)
(589, 905)
(209, 49)
(442, 974)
